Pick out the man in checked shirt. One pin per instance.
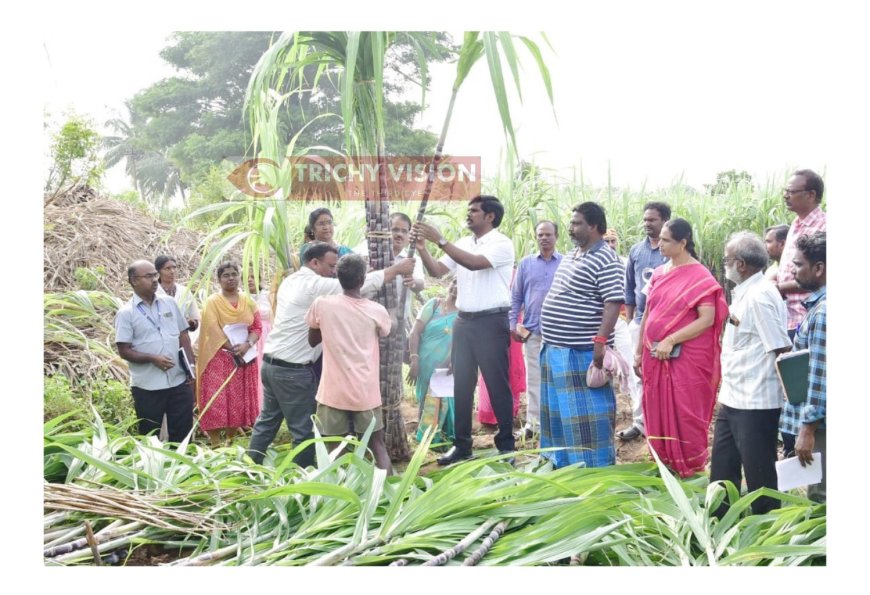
(807, 421)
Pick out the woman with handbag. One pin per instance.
(227, 385)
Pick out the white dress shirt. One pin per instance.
(288, 339)
(749, 379)
(487, 288)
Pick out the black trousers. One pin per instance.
(176, 403)
(746, 438)
(483, 343)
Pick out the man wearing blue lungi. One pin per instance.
(577, 322)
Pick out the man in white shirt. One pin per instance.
(750, 396)
(483, 263)
(289, 381)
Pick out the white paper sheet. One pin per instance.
(440, 384)
(238, 333)
(790, 474)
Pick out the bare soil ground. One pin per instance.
(633, 451)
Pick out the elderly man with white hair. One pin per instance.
(750, 396)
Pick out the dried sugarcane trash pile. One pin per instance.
(218, 508)
(84, 231)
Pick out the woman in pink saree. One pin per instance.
(685, 309)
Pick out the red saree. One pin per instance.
(679, 394)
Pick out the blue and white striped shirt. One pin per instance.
(574, 306)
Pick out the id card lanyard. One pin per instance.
(151, 320)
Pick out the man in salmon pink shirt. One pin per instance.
(349, 326)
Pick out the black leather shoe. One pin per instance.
(454, 455)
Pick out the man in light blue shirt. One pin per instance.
(149, 330)
(534, 276)
(643, 258)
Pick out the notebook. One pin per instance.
(793, 371)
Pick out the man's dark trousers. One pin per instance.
(288, 395)
(176, 403)
(746, 438)
(482, 342)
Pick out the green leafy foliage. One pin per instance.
(74, 154)
(110, 398)
(218, 508)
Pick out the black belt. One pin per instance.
(470, 315)
(280, 362)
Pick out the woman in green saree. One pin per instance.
(431, 344)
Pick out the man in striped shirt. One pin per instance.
(577, 321)
(750, 396)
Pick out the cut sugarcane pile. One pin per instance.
(218, 508)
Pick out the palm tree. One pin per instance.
(154, 175)
(357, 60)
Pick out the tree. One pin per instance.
(74, 154)
(195, 120)
(727, 179)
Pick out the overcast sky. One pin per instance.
(654, 97)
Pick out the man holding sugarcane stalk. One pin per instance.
(483, 264)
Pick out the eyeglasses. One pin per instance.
(789, 192)
(728, 260)
(148, 276)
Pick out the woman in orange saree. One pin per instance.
(678, 356)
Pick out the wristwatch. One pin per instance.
(442, 242)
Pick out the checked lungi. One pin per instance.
(574, 416)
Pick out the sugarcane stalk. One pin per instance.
(430, 181)
(101, 536)
(60, 535)
(218, 554)
(445, 556)
(54, 518)
(399, 562)
(334, 557)
(480, 552)
(84, 554)
(92, 543)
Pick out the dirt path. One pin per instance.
(482, 434)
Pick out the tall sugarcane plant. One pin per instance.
(474, 46)
(357, 60)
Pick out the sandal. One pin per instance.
(629, 434)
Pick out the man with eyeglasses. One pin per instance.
(400, 228)
(750, 396)
(289, 380)
(149, 329)
(803, 196)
